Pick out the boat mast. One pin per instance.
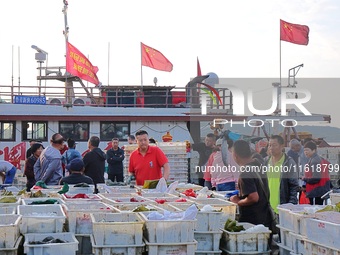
(69, 92)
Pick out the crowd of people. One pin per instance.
(59, 163)
(263, 181)
(276, 178)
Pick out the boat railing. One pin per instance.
(70, 92)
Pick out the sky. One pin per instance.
(234, 39)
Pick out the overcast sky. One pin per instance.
(231, 38)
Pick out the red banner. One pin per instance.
(78, 65)
(155, 59)
(294, 33)
(15, 155)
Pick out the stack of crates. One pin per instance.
(79, 221)
(117, 233)
(207, 230)
(228, 208)
(306, 231)
(292, 226)
(178, 160)
(323, 233)
(10, 238)
(41, 221)
(164, 237)
(128, 149)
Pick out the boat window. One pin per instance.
(109, 130)
(7, 131)
(78, 131)
(34, 130)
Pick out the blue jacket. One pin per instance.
(70, 154)
(48, 166)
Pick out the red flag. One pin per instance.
(155, 59)
(199, 73)
(294, 33)
(78, 65)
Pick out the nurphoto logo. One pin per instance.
(239, 101)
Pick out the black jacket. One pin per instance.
(94, 163)
(115, 159)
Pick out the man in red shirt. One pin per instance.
(146, 161)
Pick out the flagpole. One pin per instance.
(280, 62)
(108, 64)
(279, 87)
(141, 66)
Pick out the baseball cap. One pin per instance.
(76, 164)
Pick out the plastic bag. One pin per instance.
(172, 188)
(161, 185)
(303, 199)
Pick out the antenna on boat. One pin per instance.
(40, 57)
(19, 69)
(69, 92)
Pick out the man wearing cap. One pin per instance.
(48, 167)
(76, 169)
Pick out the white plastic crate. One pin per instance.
(298, 243)
(323, 232)
(208, 241)
(171, 199)
(14, 250)
(18, 201)
(69, 198)
(110, 197)
(315, 248)
(299, 222)
(47, 192)
(28, 201)
(124, 208)
(181, 187)
(167, 207)
(335, 198)
(41, 218)
(8, 209)
(9, 230)
(228, 208)
(116, 249)
(117, 228)
(135, 199)
(245, 242)
(290, 215)
(206, 221)
(78, 215)
(168, 231)
(69, 247)
(156, 194)
(184, 248)
(81, 190)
